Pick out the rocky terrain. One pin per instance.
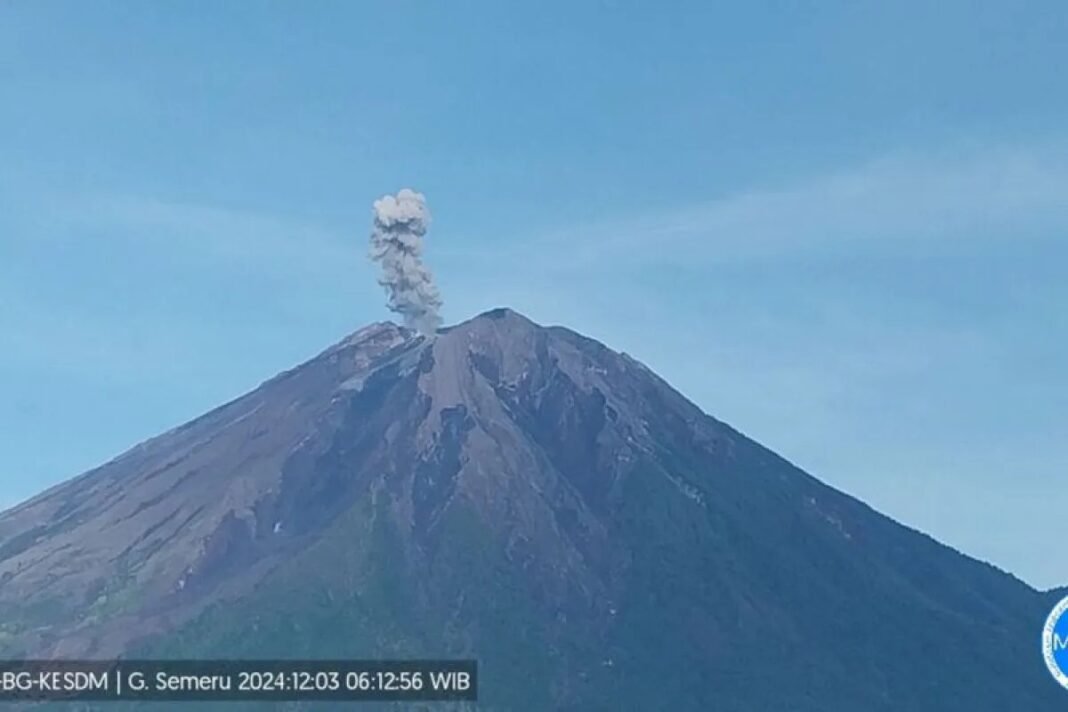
(523, 495)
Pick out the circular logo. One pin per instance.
(1055, 642)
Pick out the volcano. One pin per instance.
(525, 496)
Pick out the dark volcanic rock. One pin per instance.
(526, 496)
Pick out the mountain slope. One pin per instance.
(526, 496)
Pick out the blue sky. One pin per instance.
(840, 227)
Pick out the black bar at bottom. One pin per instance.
(239, 680)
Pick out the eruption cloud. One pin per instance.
(400, 222)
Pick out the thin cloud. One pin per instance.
(891, 203)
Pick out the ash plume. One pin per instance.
(400, 223)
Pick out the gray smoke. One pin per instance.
(400, 223)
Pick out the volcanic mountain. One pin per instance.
(528, 497)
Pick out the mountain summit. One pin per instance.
(523, 495)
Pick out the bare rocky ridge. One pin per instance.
(526, 496)
(137, 541)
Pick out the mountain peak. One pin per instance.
(378, 330)
(502, 313)
(390, 330)
(499, 316)
(525, 496)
